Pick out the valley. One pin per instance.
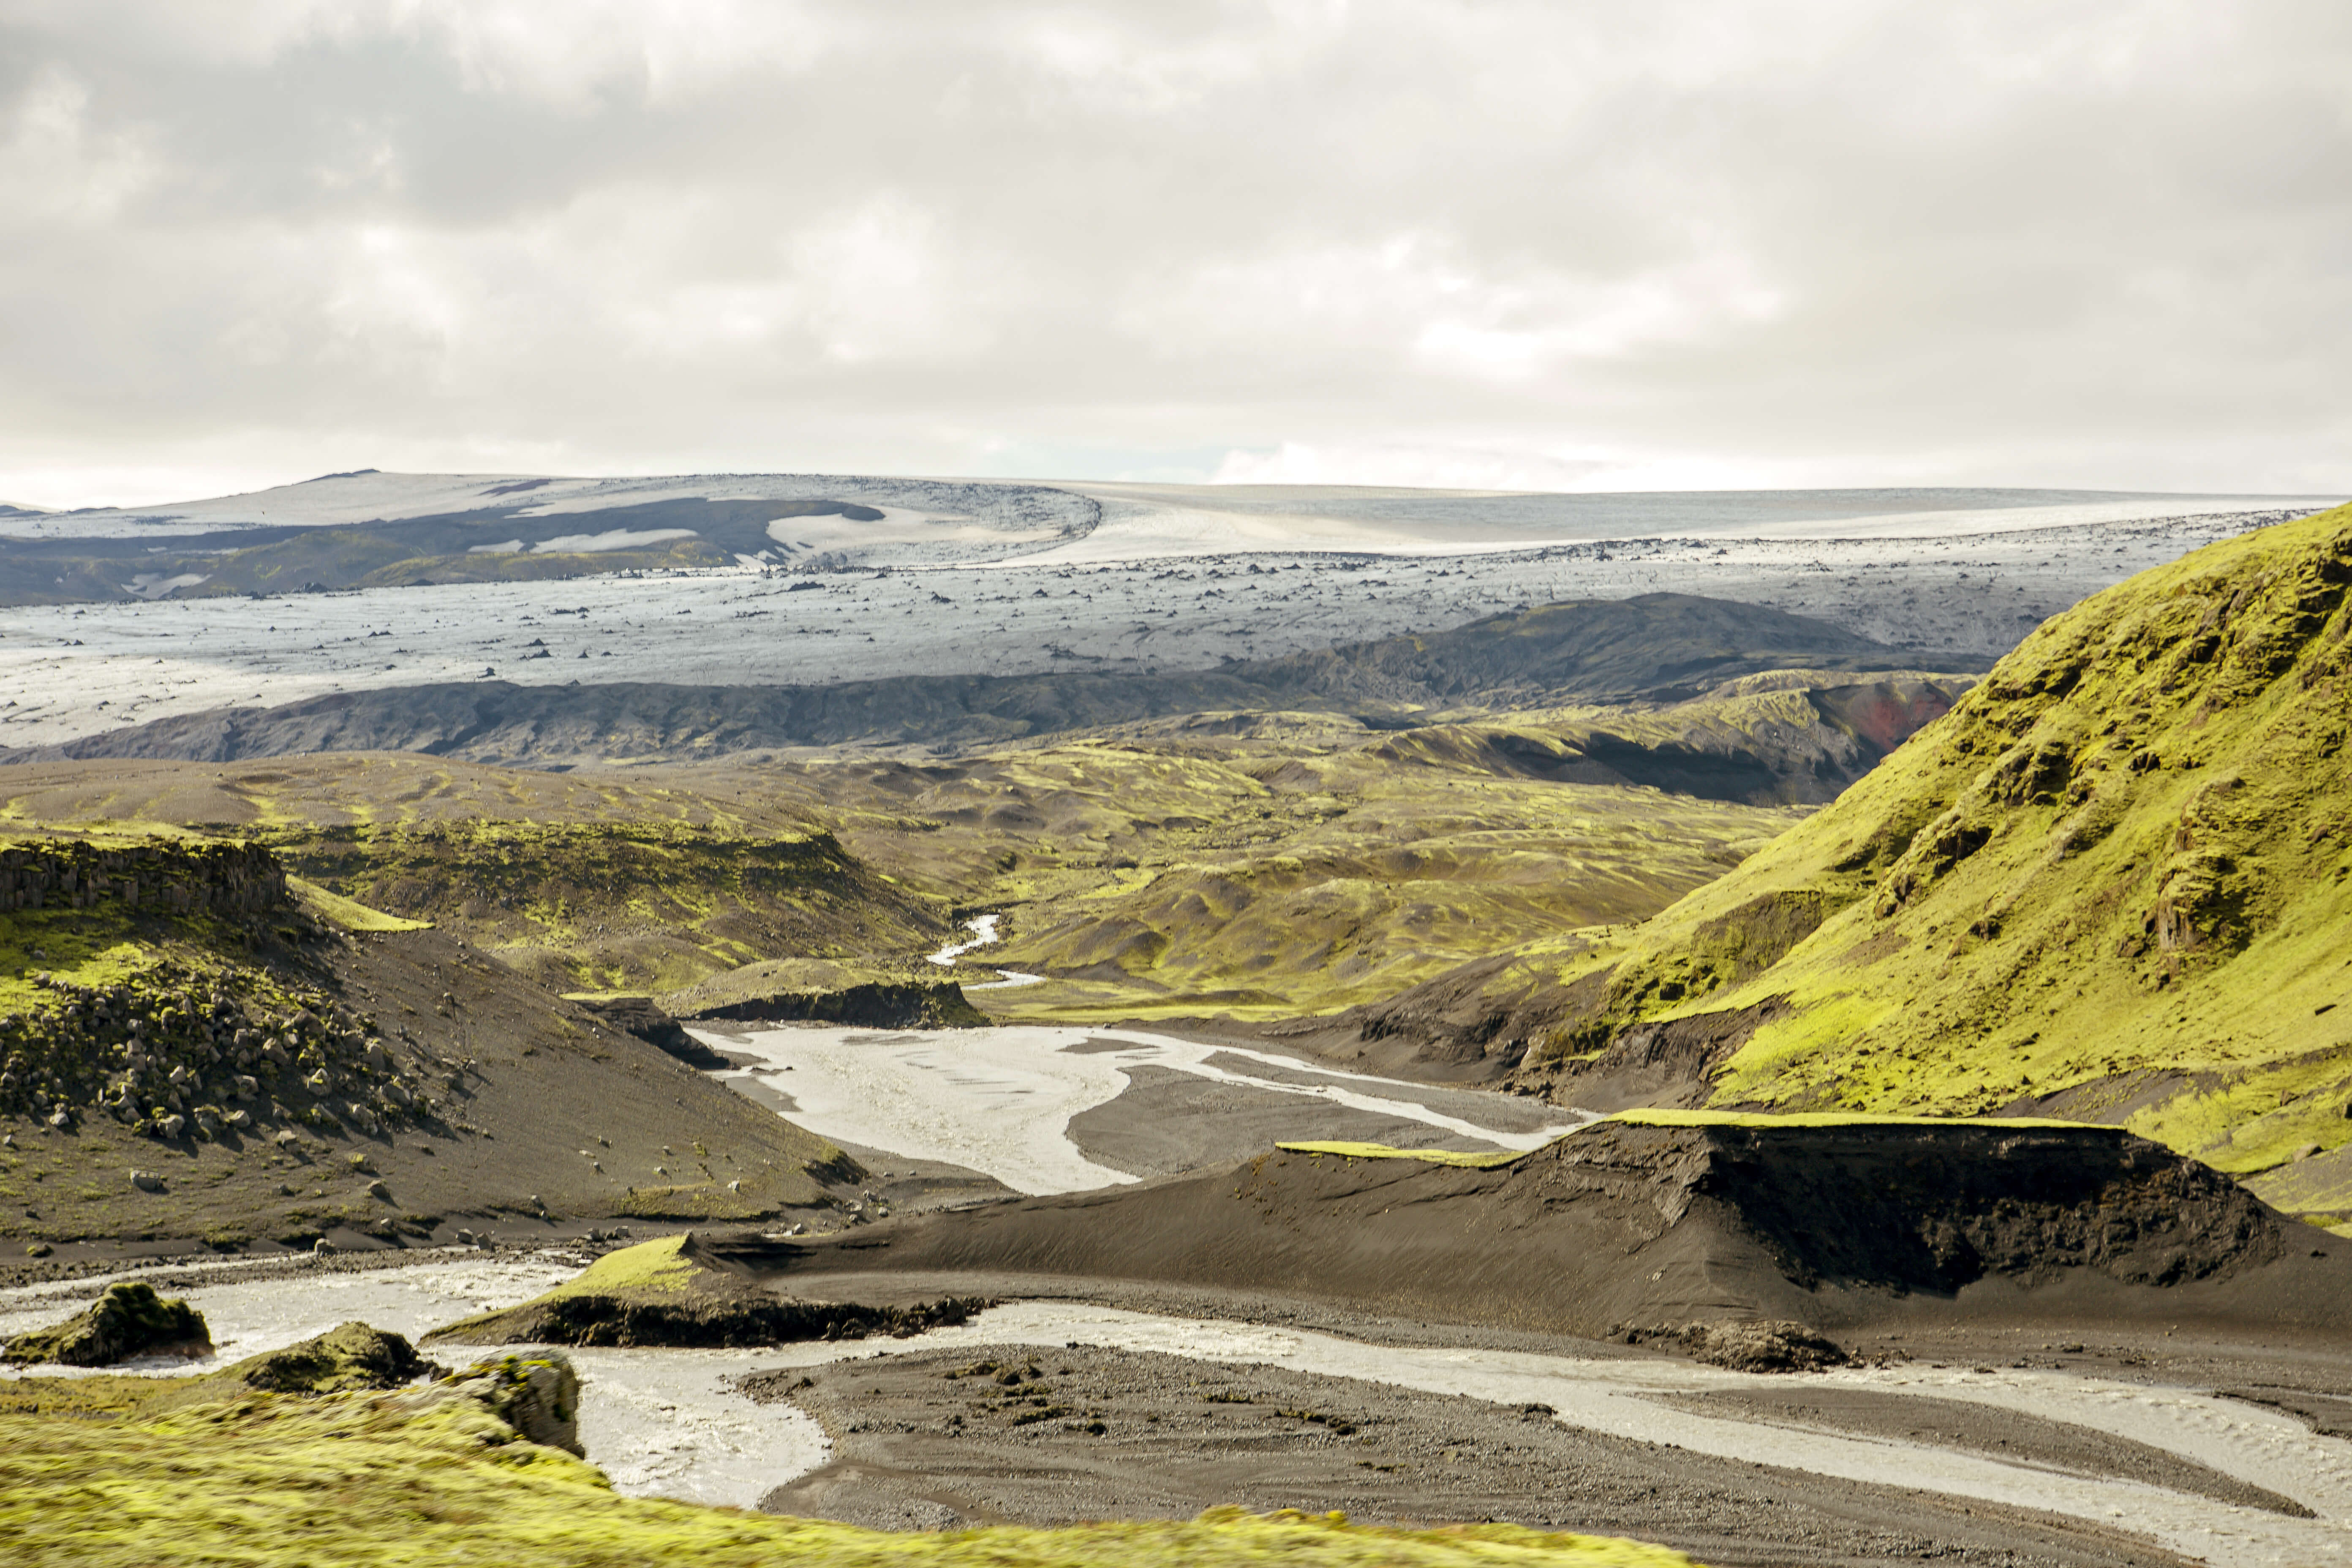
(1762, 1025)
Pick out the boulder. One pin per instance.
(129, 1320)
(1761, 1347)
(352, 1356)
(538, 1395)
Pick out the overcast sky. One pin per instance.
(1556, 245)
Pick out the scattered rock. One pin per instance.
(129, 1320)
(538, 1395)
(1761, 1347)
(352, 1356)
(147, 1181)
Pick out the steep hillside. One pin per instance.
(2115, 883)
(1656, 646)
(190, 1051)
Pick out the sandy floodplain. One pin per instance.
(1063, 1110)
(1871, 1460)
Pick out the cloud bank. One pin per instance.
(1524, 246)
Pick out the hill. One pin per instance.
(1652, 1223)
(1658, 647)
(2114, 883)
(195, 1046)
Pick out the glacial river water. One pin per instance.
(1000, 1100)
(669, 1423)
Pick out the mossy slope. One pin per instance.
(605, 882)
(2114, 883)
(186, 1054)
(355, 1481)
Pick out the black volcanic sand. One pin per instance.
(937, 1439)
(1625, 1226)
(1168, 1121)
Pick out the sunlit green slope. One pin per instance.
(2115, 882)
(274, 1480)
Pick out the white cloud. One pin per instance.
(2092, 241)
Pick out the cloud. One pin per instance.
(1829, 241)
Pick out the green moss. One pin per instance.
(271, 1482)
(608, 905)
(1658, 1116)
(650, 1266)
(1471, 1159)
(2114, 881)
(348, 913)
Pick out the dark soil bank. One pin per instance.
(1014, 1433)
(1639, 1227)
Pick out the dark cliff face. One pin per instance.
(1937, 1208)
(175, 878)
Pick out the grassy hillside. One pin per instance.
(2114, 883)
(584, 884)
(1256, 864)
(1326, 879)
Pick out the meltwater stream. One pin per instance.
(1000, 1100)
(671, 1423)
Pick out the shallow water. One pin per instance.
(1000, 1100)
(983, 933)
(2263, 1447)
(669, 1423)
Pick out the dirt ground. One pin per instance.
(937, 1439)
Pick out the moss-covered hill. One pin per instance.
(583, 883)
(192, 1047)
(2114, 883)
(1258, 865)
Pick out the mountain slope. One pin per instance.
(2114, 883)
(1654, 647)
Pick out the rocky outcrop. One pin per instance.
(173, 1051)
(689, 1290)
(537, 1395)
(351, 1356)
(829, 991)
(175, 879)
(129, 1320)
(1759, 1347)
(644, 1018)
(602, 1319)
(879, 1004)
